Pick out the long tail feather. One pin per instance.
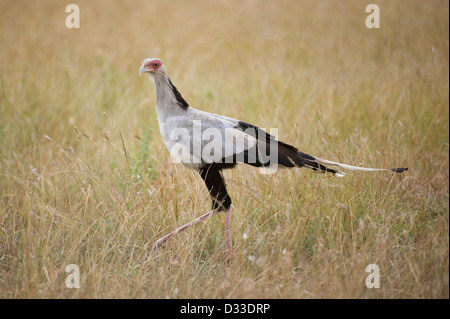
(311, 159)
(321, 168)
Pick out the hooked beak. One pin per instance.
(142, 70)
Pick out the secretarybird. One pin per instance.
(209, 143)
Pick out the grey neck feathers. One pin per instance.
(165, 89)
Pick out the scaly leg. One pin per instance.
(227, 236)
(160, 241)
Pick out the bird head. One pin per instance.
(153, 66)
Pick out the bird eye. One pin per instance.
(155, 64)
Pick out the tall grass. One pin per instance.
(85, 178)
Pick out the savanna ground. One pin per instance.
(85, 178)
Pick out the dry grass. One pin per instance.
(72, 103)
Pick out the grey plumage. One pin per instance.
(209, 143)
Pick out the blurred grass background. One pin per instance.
(85, 178)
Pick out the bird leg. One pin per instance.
(160, 241)
(227, 236)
